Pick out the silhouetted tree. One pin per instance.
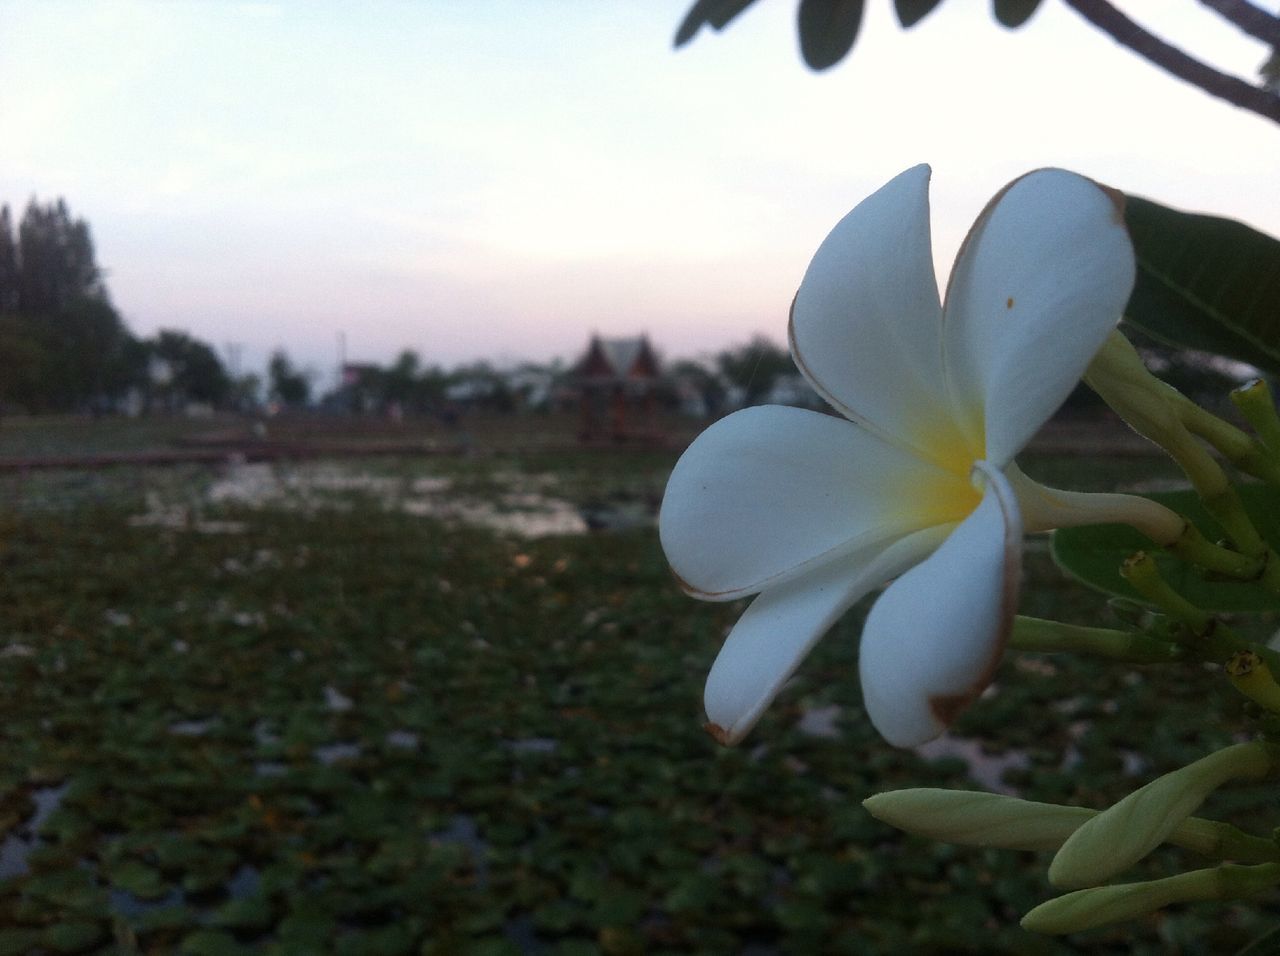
(701, 379)
(63, 346)
(400, 381)
(196, 374)
(287, 385)
(8, 264)
(24, 360)
(56, 265)
(754, 367)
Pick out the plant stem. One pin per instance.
(1054, 637)
(1255, 404)
(1174, 61)
(1257, 23)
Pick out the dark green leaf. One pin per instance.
(75, 937)
(137, 878)
(827, 30)
(1205, 283)
(1014, 13)
(208, 942)
(252, 913)
(717, 13)
(1094, 553)
(1268, 944)
(911, 12)
(18, 942)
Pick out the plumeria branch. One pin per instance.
(1053, 637)
(1252, 676)
(1207, 637)
(1257, 406)
(1174, 61)
(1161, 413)
(1251, 456)
(1253, 21)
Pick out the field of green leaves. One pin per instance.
(357, 709)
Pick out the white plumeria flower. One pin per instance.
(812, 512)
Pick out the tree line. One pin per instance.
(63, 345)
(65, 348)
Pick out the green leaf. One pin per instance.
(18, 942)
(208, 942)
(1206, 283)
(1014, 13)
(1093, 554)
(716, 13)
(1268, 944)
(144, 882)
(911, 12)
(827, 30)
(252, 913)
(73, 937)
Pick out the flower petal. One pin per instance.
(782, 625)
(1038, 285)
(769, 492)
(933, 640)
(866, 325)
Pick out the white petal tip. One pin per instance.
(721, 736)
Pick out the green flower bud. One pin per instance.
(1119, 376)
(974, 818)
(1101, 906)
(1123, 834)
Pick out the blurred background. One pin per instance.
(344, 353)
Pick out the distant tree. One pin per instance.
(87, 344)
(246, 391)
(195, 372)
(24, 360)
(430, 387)
(8, 264)
(754, 367)
(400, 380)
(64, 346)
(287, 385)
(479, 385)
(56, 260)
(702, 379)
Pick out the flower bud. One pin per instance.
(974, 818)
(1118, 375)
(1123, 834)
(1086, 909)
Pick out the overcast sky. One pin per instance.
(500, 178)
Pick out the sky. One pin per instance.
(499, 179)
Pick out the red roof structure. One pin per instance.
(616, 380)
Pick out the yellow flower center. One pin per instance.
(952, 494)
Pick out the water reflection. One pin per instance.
(985, 769)
(20, 841)
(511, 502)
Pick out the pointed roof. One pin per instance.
(621, 358)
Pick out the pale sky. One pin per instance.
(500, 178)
